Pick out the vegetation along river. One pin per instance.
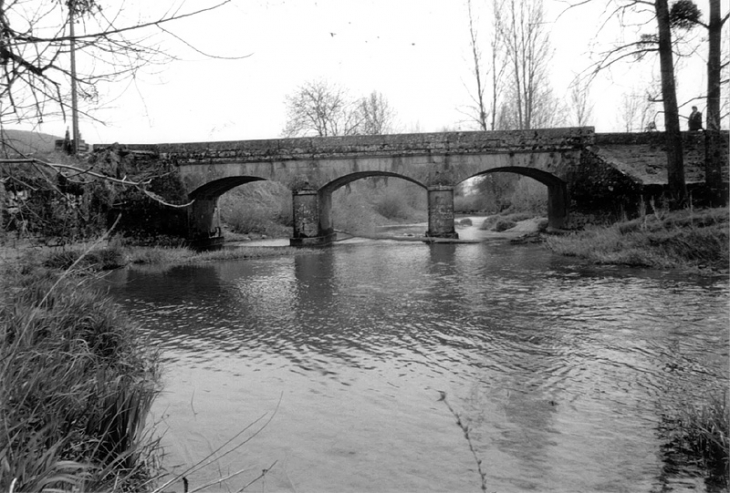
(563, 373)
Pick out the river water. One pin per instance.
(331, 366)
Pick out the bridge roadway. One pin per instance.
(313, 168)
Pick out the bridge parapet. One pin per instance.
(364, 146)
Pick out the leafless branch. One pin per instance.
(35, 71)
(59, 168)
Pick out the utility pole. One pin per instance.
(74, 97)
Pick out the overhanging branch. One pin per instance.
(59, 168)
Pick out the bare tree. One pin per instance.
(376, 115)
(675, 154)
(321, 109)
(581, 107)
(713, 145)
(499, 65)
(521, 26)
(478, 97)
(488, 80)
(38, 41)
(636, 109)
(318, 108)
(685, 15)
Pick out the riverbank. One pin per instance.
(107, 255)
(687, 239)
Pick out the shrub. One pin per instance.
(142, 217)
(488, 223)
(503, 225)
(392, 205)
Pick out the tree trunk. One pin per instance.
(673, 135)
(713, 143)
(482, 117)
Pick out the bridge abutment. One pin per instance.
(441, 212)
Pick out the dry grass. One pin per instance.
(112, 256)
(177, 256)
(683, 239)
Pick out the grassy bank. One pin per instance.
(694, 239)
(158, 256)
(76, 382)
(112, 255)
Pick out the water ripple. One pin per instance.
(551, 361)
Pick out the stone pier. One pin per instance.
(441, 212)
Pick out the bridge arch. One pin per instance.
(203, 215)
(359, 175)
(558, 196)
(313, 209)
(216, 188)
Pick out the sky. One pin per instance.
(414, 52)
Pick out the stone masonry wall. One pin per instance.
(308, 148)
(620, 173)
(643, 155)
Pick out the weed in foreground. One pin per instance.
(221, 452)
(77, 385)
(699, 433)
(465, 428)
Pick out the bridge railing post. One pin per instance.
(441, 212)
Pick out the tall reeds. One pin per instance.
(703, 432)
(698, 433)
(76, 384)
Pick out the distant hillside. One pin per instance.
(20, 142)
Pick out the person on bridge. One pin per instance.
(695, 120)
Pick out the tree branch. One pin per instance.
(139, 185)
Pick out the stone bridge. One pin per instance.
(313, 168)
(584, 172)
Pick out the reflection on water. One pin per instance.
(560, 370)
